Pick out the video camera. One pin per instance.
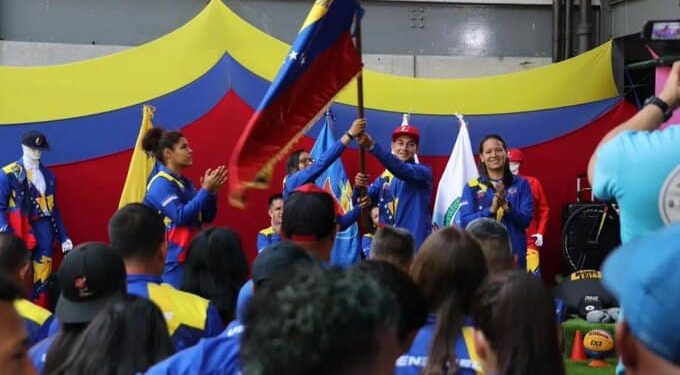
(664, 38)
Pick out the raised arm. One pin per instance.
(310, 174)
(647, 119)
(412, 172)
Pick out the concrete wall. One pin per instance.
(110, 22)
(629, 16)
(37, 54)
(408, 38)
(389, 27)
(423, 28)
(413, 38)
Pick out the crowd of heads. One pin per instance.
(305, 317)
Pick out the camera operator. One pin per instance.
(638, 165)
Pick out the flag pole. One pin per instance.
(365, 217)
(360, 92)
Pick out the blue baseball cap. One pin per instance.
(643, 275)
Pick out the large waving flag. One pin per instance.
(321, 62)
(334, 180)
(141, 164)
(460, 169)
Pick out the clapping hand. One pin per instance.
(213, 180)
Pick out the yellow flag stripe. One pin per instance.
(319, 10)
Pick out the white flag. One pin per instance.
(460, 169)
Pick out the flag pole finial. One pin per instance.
(405, 119)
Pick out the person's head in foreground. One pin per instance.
(643, 275)
(412, 304)
(516, 328)
(91, 276)
(494, 239)
(448, 268)
(321, 321)
(395, 246)
(14, 340)
(127, 337)
(309, 220)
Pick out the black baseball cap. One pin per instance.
(91, 275)
(35, 139)
(276, 259)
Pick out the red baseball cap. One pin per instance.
(516, 155)
(406, 129)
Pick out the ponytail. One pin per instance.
(156, 140)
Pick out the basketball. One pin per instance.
(598, 343)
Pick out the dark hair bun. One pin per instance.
(151, 139)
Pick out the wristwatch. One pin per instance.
(665, 108)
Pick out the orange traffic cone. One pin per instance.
(577, 353)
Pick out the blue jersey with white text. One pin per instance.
(415, 359)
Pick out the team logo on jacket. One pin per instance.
(669, 198)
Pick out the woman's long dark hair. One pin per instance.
(127, 337)
(216, 268)
(516, 313)
(293, 161)
(449, 267)
(507, 174)
(63, 342)
(156, 140)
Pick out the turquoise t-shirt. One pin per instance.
(641, 171)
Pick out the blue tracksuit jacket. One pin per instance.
(414, 361)
(476, 202)
(184, 210)
(403, 193)
(213, 356)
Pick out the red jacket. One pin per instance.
(541, 208)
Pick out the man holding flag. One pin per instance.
(460, 169)
(403, 190)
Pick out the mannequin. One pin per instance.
(28, 209)
(539, 221)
